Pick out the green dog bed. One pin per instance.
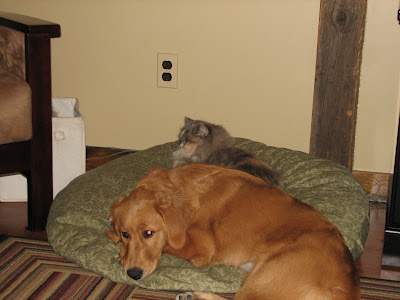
(78, 217)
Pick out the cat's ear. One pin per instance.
(202, 130)
(187, 120)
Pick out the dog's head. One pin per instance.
(145, 221)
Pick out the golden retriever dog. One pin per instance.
(208, 214)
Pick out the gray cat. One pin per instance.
(203, 142)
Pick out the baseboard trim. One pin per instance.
(377, 185)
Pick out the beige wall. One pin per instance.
(378, 109)
(248, 65)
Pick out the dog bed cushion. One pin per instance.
(78, 217)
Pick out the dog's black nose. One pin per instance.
(135, 273)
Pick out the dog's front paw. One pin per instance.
(186, 296)
(200, 261)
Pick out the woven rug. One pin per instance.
(30, 269)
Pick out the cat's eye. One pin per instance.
(148, 234)
(125, 234)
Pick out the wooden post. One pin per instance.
(337, 79)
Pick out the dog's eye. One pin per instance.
(148, 234)
(125, 234)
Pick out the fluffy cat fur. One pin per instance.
(200, 141)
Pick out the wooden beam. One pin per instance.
(337, 79)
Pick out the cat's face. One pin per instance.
(192, 135)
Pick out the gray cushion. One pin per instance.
(78, 216)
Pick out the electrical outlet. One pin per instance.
(167, 70)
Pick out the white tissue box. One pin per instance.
(69, 152)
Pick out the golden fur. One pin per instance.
(209, 214)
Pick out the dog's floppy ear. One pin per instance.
(113, 234)
(174, 218)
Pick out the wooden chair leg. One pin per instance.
(41, 166)
(40, 197)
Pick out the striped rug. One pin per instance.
(30, 269)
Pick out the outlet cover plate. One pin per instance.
(173, 58)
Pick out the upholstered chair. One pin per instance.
(25, 109)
